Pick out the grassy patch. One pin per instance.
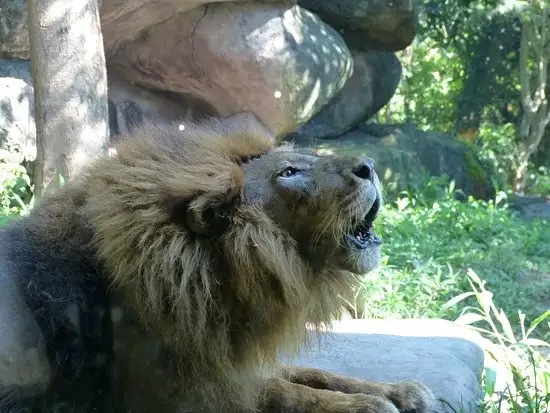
(431, 239)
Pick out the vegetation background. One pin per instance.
(478, 69)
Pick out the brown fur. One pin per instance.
(223, 300)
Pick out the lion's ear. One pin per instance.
(202, 216)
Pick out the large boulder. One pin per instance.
(446, 357)
(531, 207)
(277, 60)
(17, 128)
(369, 24)
(375, 78)
(403, 153)
(179, 59)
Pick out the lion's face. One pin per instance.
(328, 204)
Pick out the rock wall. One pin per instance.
(309, 70)
(320, 66)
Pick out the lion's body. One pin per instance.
(168, 277)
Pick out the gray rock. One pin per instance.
(14, 36)
(131, 104)
(279, 61)
(269, 57)
(444, 356)
(388, 25)
(531, 207)
(20, 69)
(17, 127)
(375, 78)
(23, 358)
(121, 20)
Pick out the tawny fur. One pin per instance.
(224, 306)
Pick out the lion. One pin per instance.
(170, 277)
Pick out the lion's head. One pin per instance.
(326, 204)
(227, 245)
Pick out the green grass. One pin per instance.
(431, 239)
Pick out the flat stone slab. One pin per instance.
(444, 356)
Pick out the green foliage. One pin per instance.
(517, 375)
(431, 239)
(448, 22)
(430, 86)
(15, 193)
(539, 181)
(498, 151)
(461, 74)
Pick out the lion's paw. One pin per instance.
(362, 403)
(411, 397)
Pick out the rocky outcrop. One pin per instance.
(17, 128)
(444, 356)
(369, 24)
(286, 62)
(373, 83)
(531, 207)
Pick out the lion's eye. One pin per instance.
(288, 172)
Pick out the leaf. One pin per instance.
(505, 323)
(522, 323)
(474, 277)
(485, 299)
(490, 380)
(537, 321)
(535, 342)
(456, 300)
(451, 187)
(469, 318)
(402, 203)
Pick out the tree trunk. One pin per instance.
(70, 88)
(535, 39)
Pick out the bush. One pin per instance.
(16, 192)
(517, 374)
(538, 181)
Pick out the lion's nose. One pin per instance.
(364, 169)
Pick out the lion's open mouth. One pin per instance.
(362, 235)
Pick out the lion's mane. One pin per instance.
(224, 304)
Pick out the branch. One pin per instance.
(526, 100)
(547, 119)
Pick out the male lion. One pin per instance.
(169, 277)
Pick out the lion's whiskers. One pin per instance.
(322, 229)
